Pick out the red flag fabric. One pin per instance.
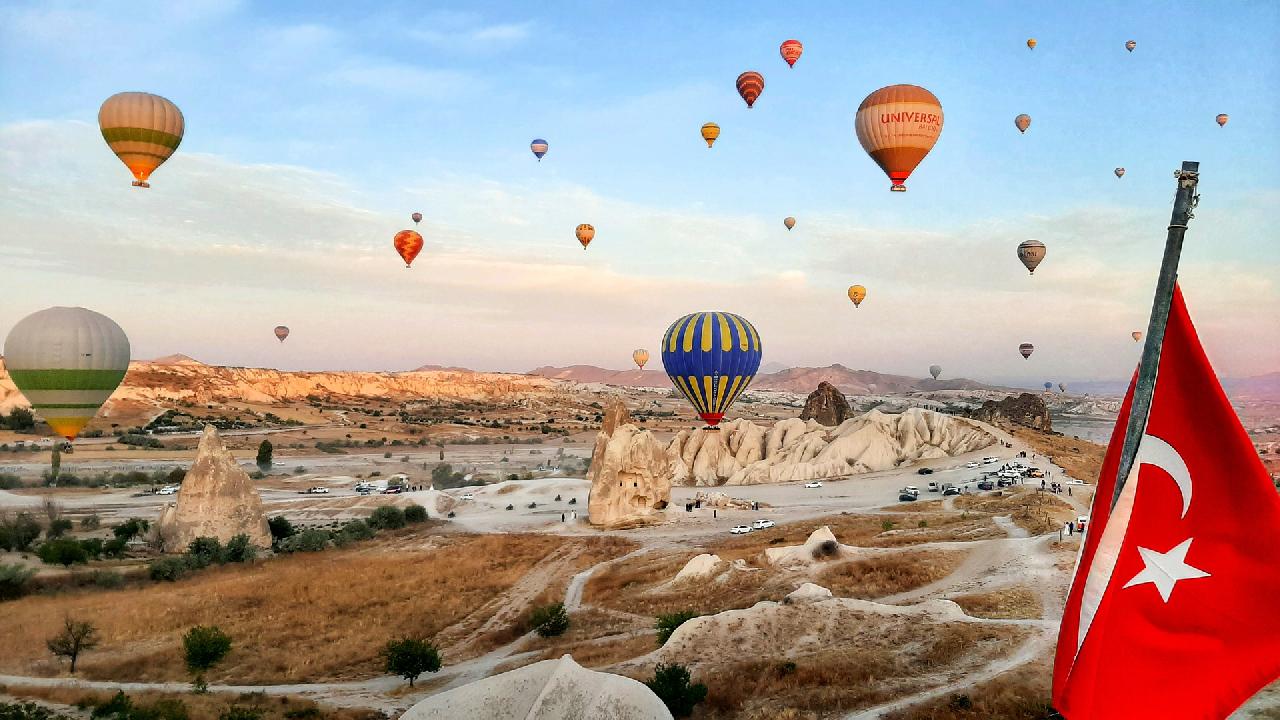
(1174, 611)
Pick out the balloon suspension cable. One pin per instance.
(1184, 203)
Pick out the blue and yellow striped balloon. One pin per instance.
(711, 358)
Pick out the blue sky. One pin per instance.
(313, 129)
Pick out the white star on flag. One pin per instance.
(1164, 570)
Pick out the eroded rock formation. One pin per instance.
(827, 405)
(630, 475)
(1026, 409)
(217, 499)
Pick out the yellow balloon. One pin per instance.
(710, 132)
(857, 294)
(142, 129)
(640, 357)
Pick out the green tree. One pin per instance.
(13, 580)
(17, 532)
(239, 549)
(410, 657)
(387, 517)
(57, 528)
(62, 551)
(205, 551)
(265, 452)
(203, 647)
(75, 638)
(21, 420)
(281, 529)
(415, 514)
(549, 620)
(668, 623)
(672, 684)
(169, 569)
(55, 462)
(131, 529)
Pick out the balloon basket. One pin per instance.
(140, 183)
(897, 188)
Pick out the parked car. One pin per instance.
(933, 486)
(814, 484)
(740, 530)
(904, 496)
(986, 485)
(913, 490)
(990, 460)
(1005, 482)
(1077, 482)
(317, 490)
(169, 490)
(925, 471)
(762, 524)
(1036, 473)
(468, 496)
(393, 490)
(971, 464)
(952, 490)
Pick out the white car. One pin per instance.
(318, 491)
(468, 496)
(814, 484)
(740, 530)
(953, 490)
(913, 490)
(762, 524)
(1077, 482)
(990, 460)
(168, 490)
(971, 464)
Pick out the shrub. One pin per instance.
(668, 623)
(281, 529)
(13, 581)
(92, 547)
(239, 550)
(549, 620)
(62, 551)
(922, 524)
(168, 569)
(203, 647)
(356, 530)
(28, 711)
(415, 514)
(409, 657)
(130, 529)
(240, 712)
(18, 532)
(203, 552)
(115, 547)
(887, 525)
(90, 522)
(264, 457)
(386, 454)
(9, 481)
(106, 579)
(312, 540)
(387, 517)
(672, 685)
(57, 528)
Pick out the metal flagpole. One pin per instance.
(1184, 203)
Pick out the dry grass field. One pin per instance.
(879, 530)
(877, 577)
(1080, 458)
(1021, 694)
(207, 706)
(306, 617)
(639, 586)
(1010, 603)
(1031, 509)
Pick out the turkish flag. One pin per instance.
(1174, 611)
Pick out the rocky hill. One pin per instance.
(1026, 410)
(593, 374)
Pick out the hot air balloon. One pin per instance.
(1026, 349)
(640, 357)
(416, 217)
(142, 129)
(281, 332)
(585, 233)
(857, 294)
(539, 148)
(1048, 386)
(1062, 387)
(791, 51)
(1222, 119)
(711, 358)
(897, 126)
(750, 85)
(1119, 172)
(1136, 335)
(710, 131)
(1031, 252)
(1031, 43)
(67, 362)
(408, 243)
(935, 371)
(1022, 122)
(790, 222)
(1130, 45)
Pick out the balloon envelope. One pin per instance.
(1130, 45)
(408, 243)
(710, 131)
(1048, 386)
(711, 358)
(1022, 122)
(750, 85)
(897, 126)
(539, 148)
(791, 51)
(281, 332)
(1031, 43)
(857, 294)
(1136, 335)
(1031, 252)
(790, 222)
(416, 217)
(935, 371)
(1119, 172)
(640, 357)
(67, 362)
(142, 129)
(1222, 119)
(1062, 387)
(585, 233)
(1026, 349)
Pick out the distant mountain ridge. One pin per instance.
(796, 380)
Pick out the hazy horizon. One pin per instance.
(313, 133)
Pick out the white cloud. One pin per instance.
(217, 253)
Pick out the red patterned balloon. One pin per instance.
(408, 243)
(750, 85)
(791, 51)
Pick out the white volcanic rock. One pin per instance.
(700, 567)
(794, 450)
(821, 546)
(630, 475)
(807, 593)
(217, 499)
(548, 690)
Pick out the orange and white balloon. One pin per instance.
(791, 51)
(1022, 122)
(898, 125)
(585, 234)
(142, 129)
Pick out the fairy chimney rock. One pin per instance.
(827, 405)
(217, 499)
(630, 474)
